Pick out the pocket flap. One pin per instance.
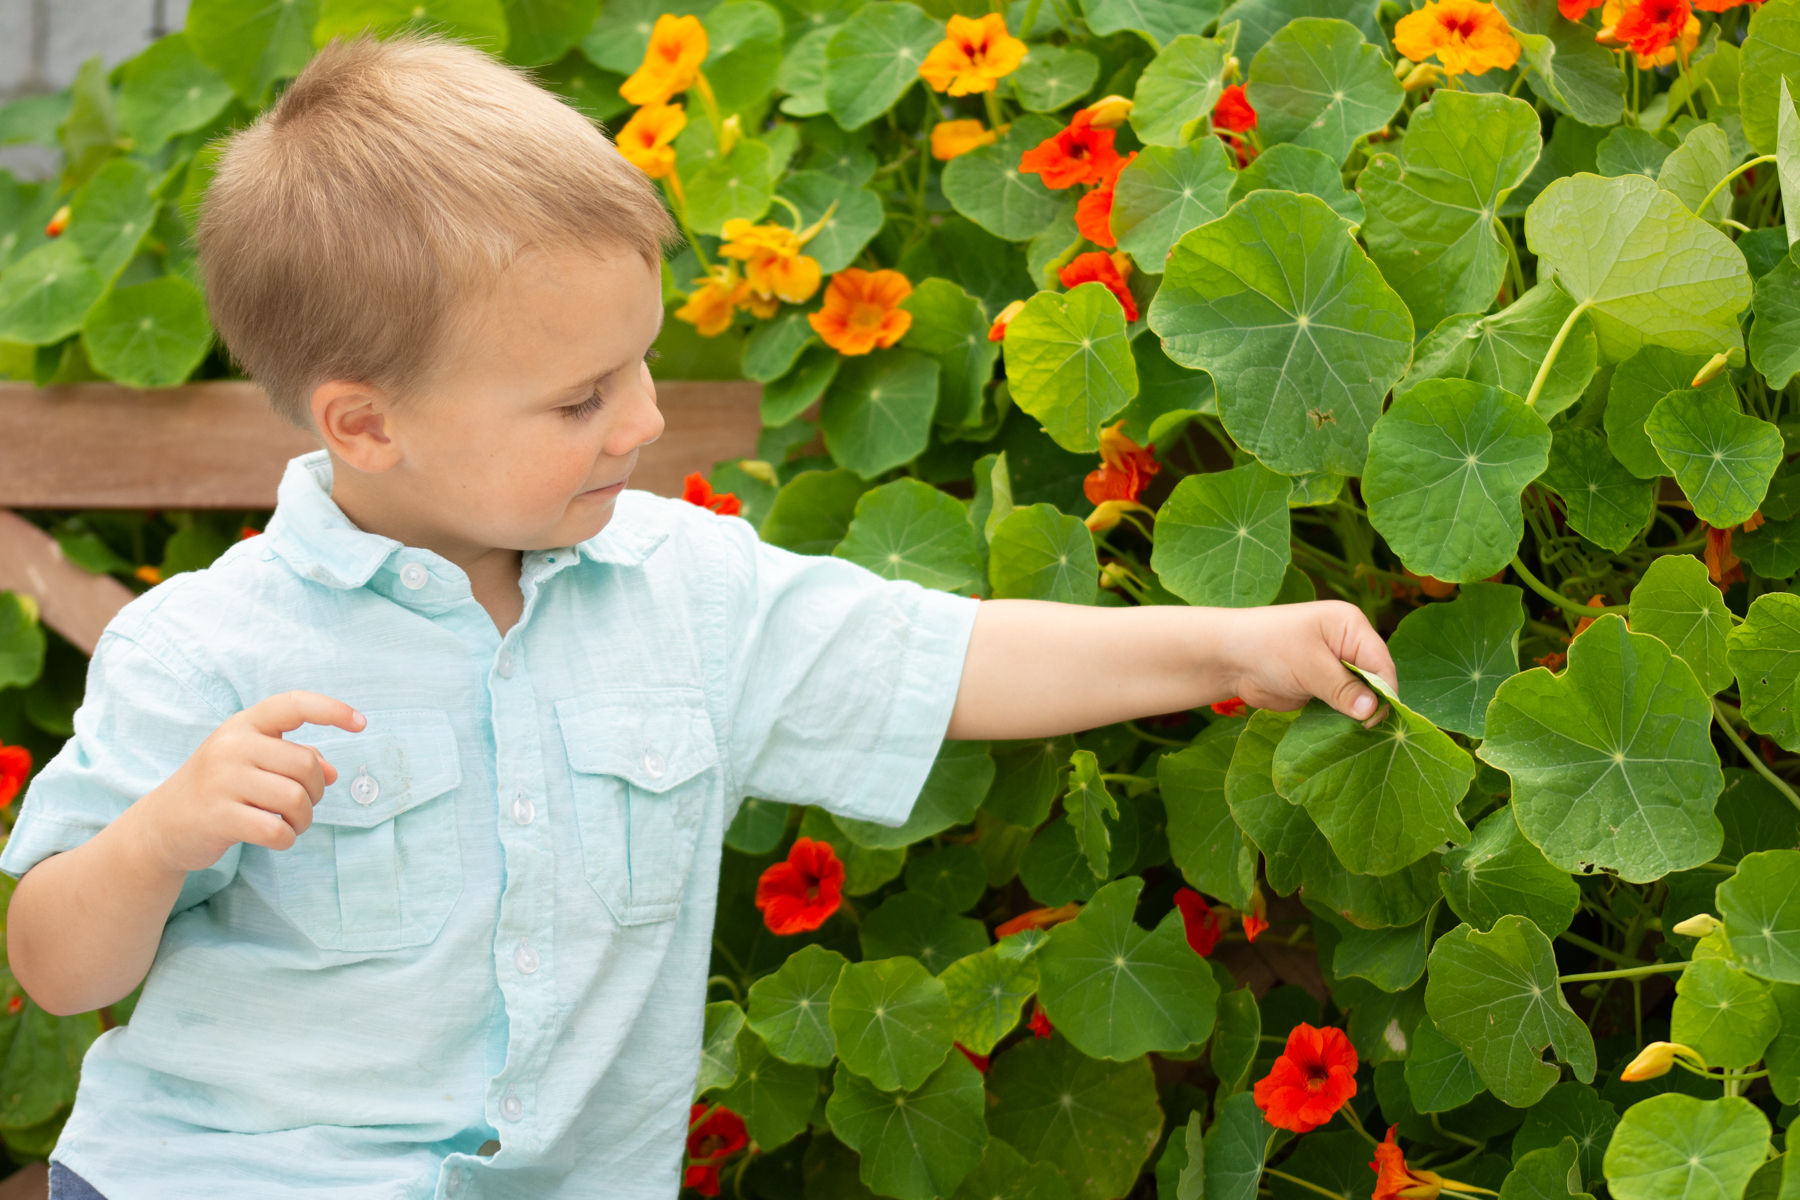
(653, 738)
(408, 756)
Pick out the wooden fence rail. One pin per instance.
(218, 445)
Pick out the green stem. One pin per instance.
(1311, 1187)
(1562, 335)
(1630, 973)
(1755, 760)
(1543, 589)
(1355, 1123)
(1455, 1137)
(1139, 733)
(1512, 257)
(672, 186)
(1575, 939)
(729, 982)
(1720, 186)
(1134, 780)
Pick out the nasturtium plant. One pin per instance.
(1482, 318)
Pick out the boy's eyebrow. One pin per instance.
(594, 379)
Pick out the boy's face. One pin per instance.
(524, 436)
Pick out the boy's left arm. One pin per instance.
(1036, 669)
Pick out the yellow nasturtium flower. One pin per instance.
(671, 63)
(773, 265)
(1466, 36)
(973, 57)
(709, 307)
(951, 138)
(645, 139)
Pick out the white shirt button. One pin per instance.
(512, 1108)
(503, 666)
(525, 958)
(523, 809)
(364, 789)
(414, 575)
(653, 764)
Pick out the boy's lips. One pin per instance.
(611, 489)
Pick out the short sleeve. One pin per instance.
(136, 725)
(842, 682)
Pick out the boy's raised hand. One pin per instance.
(1286, 654)
(244, 784)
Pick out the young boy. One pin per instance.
(408, 813)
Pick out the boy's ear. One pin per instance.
(355, 421)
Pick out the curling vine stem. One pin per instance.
(1543, 589)
(1720, 186)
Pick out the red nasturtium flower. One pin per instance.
(801, 893)
(1093, 215)
(1234, 707)
(15, 1006)
(1199, 922)
(1040, 1023)
(1233, 111)
(1648, 28)
(980, 1061)
(1394, 1180)
(1125, 468)
(1099, 267)
(1556, 660)
(1574, 10)
(709, 1143)
(15, 766)
(1080, 153)
(695, 490)
(1257, 919)
(1310, 1081)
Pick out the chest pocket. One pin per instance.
(644, 765)
(381, 865)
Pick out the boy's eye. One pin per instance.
(586, 408)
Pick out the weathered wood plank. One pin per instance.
(70, 601)
(217, 445)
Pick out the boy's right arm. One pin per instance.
(84, 925)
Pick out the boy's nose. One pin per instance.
(640, 426)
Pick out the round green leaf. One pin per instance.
(892, 1022)
(1204, 840)
(541, 31)
(253, 44)
(167, 90)
(911, 530)
(774, 346)
(1499, 872)
(1648, 270)
(1391, 958)
(953, 791)
(986, 185)
(1160, 21)
(1631, 151)
(1703, 158)
(1291, 168)
(1117, 992)
(1638, 386)
(1027, 775)
(1755, 816)
(1722, 459)
(1383, 797)
(1222, 537)
(1762, 914)
(1317, 83)
(909, 924)
(1431, 212)
(1572, 1111)
(775, 1098)
(1446, 467)
(1177, 91)
(1068, 363)
(1612, 761)
(865, 869)
(1676, 602)
(1775, 338)
(1674, 1147)
(22, 642)
(1054, 869)
(1237, 1038)
(1235, 1148)
(1772, 550)
(918, 1144)
(813, 511)
(1771, 56)
(1166, 191)
(1439, 1076)
(718, 1047)
(1453, 657)
(1569, 70)
(802, 73)
(951, 326)
(1303, 338)
(1726, 1015)
(784, 399)
(743, 56)
(1606, 504)
(737, 185)
(110, 215)
(1545, 1174)
(789, 1009)
(1003, 1174)
(987, 994)
(1037, 553)
(877, 414)
(1495, 995)
(621, 33)
(45, 296)
(1259, 20)
(479, 22)
(148, 335)
(1504, 350)
(875, 58)
(844, 233)
(1096, 1121)
(1764, 654)
(952, 875)
(1052, 77)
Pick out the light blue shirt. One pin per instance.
(498, 925)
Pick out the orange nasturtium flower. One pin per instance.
(1233, 111)
(709, 307)
(151, 575)
(1257, 919)
(15, 768)
(696, 490)
(1468, 36)
(951, 138)
(1038, 918)
(1093, 215)
(973, 57)
(862, 310)
(997, 331)
(1081, 153)
(1097, 267)
(1234, 707)
(671, 63)
(1313, 1078)
(1574, 10)
(801, 893)
(1656, 31)
(1721, 564)
(1394, 1180)
(773, 264)
(645, 139)
(1125, 468)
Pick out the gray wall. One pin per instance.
(43, 41)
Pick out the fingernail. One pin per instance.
(360, 719)
(1365, 704)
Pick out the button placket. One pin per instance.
(523, 810)
(525, 958)
(511, 1107)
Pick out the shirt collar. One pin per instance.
(319, 542)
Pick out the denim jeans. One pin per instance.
(67, 1185)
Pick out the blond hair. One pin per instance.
(393, 180)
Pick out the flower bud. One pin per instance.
(1655, 1060)
(1698, 925)
(729, 135)
(1422, 76)
(1231, 67)
(997, 331)
(1609, 37)
(1402, 67)
(58, 223)
(1711, 370)
(1109, 513)
(1122, 263)
(757, 469)
(1109, 112)
(1113, 574)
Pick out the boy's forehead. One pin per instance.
(566, 301)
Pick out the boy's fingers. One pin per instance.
(290, 710)
(293, 760)
(282, 798)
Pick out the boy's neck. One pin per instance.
(493, 571)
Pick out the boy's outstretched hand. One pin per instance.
(1036, 669)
